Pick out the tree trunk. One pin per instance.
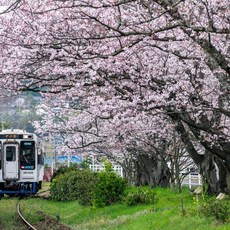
(151, 171)
(216, 174)
(214, 181)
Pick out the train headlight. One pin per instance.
(27, 136)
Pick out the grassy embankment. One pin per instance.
(166, 213)
(8, 215)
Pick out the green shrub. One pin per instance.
(142, 195)
(59, 188)
(109, 188)
(63, 170)
(100, 189)
(74, 185)
(219, 209)
(85, 163)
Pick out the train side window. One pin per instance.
(10, 153)
(40, 158)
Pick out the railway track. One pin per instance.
(28, 225)
(48, 222)
(43, 194)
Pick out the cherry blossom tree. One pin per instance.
(126, 59)
(130, 142)
(8, 6)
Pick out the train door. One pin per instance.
(11, 167)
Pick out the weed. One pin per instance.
(142, 195)
(219, 209)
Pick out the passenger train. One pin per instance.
(21, 162)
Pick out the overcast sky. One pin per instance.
(2, 8)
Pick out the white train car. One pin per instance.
(21, 162)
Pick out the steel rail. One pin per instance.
(40, 192)
(23, 219)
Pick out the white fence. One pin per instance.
(97, 167)
(192, 180)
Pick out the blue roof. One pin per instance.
(64, 159)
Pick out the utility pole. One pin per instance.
(51, 153)
(68, 158)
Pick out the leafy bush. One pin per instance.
(109, 188)
(85, 163)
(74, 185)
(142, 195)
(100, 189)
(59, 188)
(63, 170)
(219, 209)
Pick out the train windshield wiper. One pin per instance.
(26, 159)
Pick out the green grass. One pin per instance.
(8, 215)
(166, 213)
(45, 186)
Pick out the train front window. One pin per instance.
(27, 155)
